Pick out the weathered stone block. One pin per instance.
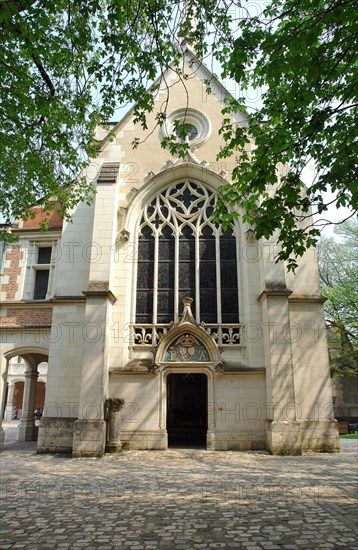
(89, 438)
(283, 437)
(55, 435)
(320, 436)
(229, 441)
(145, 440)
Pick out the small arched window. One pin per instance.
(182, 253)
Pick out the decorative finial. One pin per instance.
(187, 301)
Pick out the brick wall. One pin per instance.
(27, 316)
(13, 271)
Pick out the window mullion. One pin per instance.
(155, 278)
(176, 275)
(135, 287)
(197, 278)
(238, 275)
(218, 278)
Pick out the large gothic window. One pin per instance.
(182, 253)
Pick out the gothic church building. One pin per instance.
(142, 298)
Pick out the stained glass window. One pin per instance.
(228, 278)
(182, 253)
(185, 131)
(145, 276)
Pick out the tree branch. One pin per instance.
(35, 58)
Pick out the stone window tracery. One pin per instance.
(181, 252)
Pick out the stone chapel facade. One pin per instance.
(142, 297)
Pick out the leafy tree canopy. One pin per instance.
(304, 54)
(67, 64)
(338, 265)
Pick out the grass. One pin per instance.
(349, 436)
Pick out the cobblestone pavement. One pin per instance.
(11, 429)
(11, 436)
(179, 499)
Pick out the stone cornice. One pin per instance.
(101, 294)
(142, 366)
(99, 289)
(124, 370)
(28, 304)
(306, 298)
(67, 299)
(245, 370)
(36, 304)
(274, 292)
(26, 326)
(37, 233)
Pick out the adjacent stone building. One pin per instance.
(15, 388)
(143, 298)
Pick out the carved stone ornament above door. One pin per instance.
(186, 344)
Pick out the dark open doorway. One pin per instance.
(187, 410)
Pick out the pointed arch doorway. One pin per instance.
(187, 409)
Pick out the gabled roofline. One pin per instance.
(186, 50)
(116, 128)
(201, 65)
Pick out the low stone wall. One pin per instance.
(320, 436)
(229, 441)
(283, 437)
(144, 440)
(89, 438)
(55, 435)
(294, 438)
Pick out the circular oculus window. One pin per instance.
(190, 124)
(186, 131)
